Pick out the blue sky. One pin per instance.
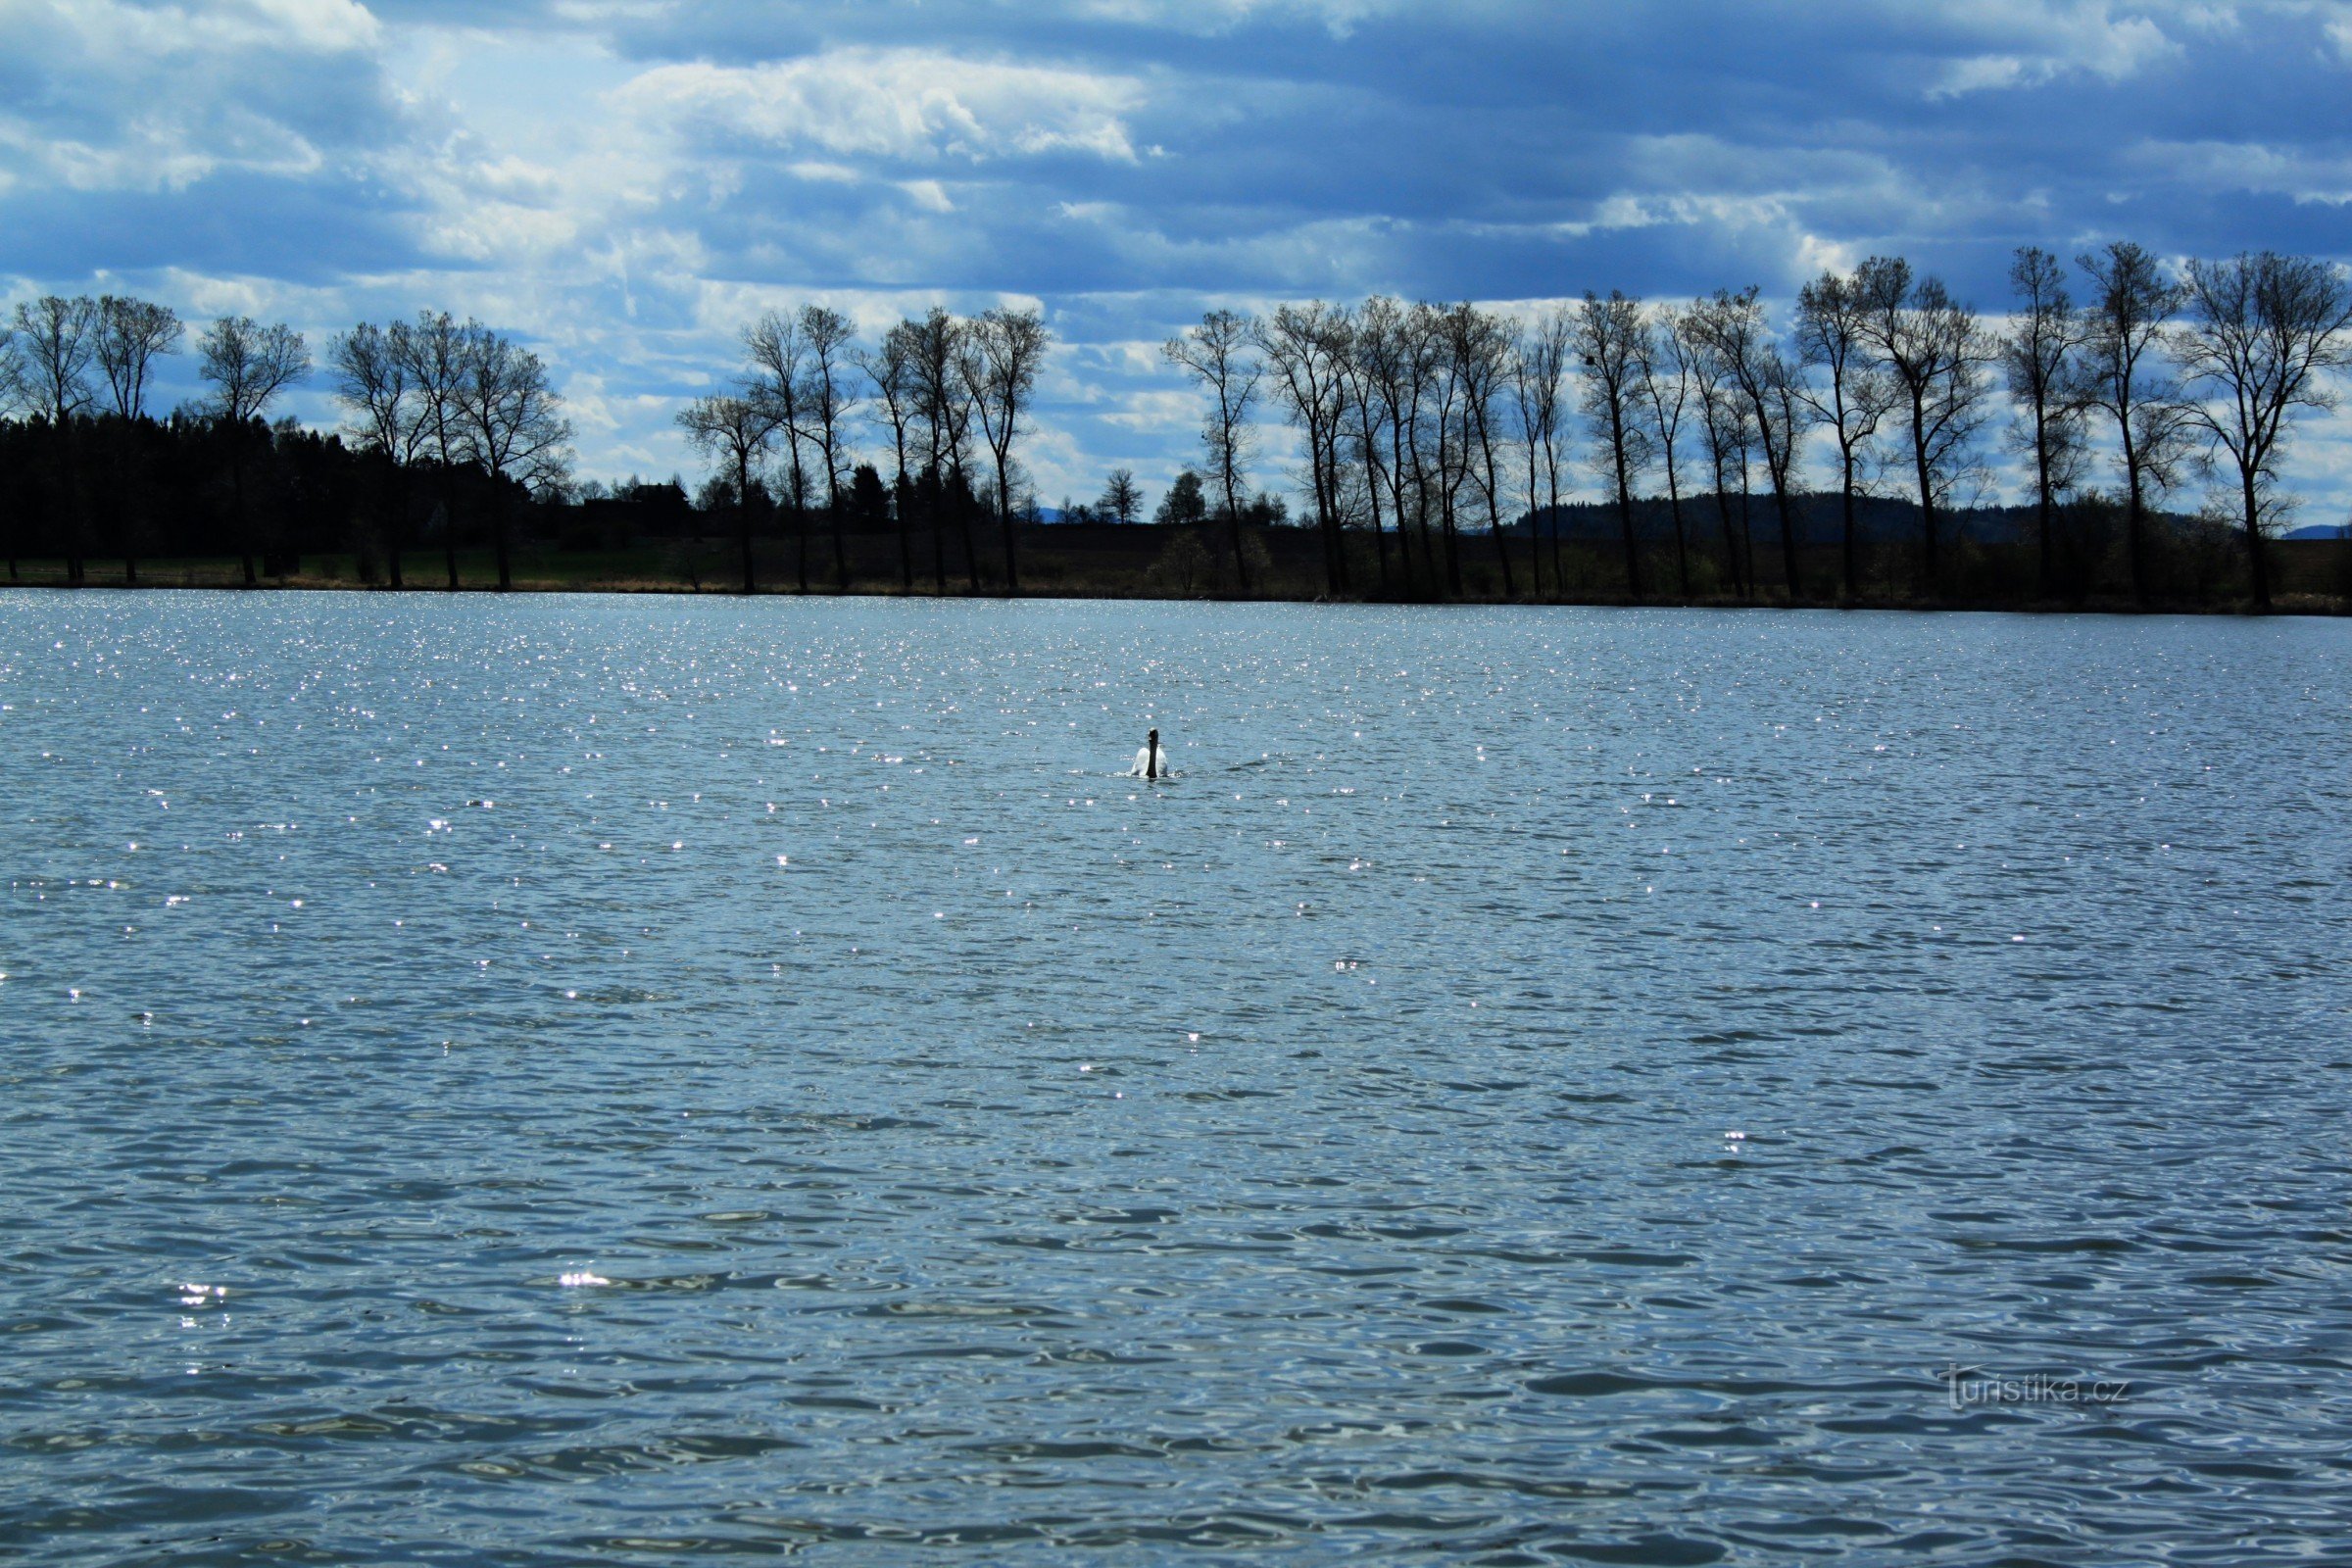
(626, 182)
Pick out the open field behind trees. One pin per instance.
(2140, 414)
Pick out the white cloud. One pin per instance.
(2299, 174)
(2042, 43)
(112, 28)
(157, 97)
(928, 194)
(1339, 18)
(900, 104)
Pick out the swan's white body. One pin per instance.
(1143, 763)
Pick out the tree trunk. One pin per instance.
(1927, 493)
(841, 555)
(965, 504)
(2256, 553)
(69, 495)
(1731, 538)
(897, 516)
(2131, 529)
(449, 523)
(1228, 481)
(1335, 545)
(2041, 499)
(1747, 536)
(397, 526)
(939, 540)
(1453, 559)
(1845, 503)
(1552, 495)
(743, 518)
(236, 487)
(497, 531)
(1780, 504)
(1012, 580)
(1624, 527)
(840, 558)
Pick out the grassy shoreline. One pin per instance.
(2311, 568)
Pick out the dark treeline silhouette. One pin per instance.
(1841, 452)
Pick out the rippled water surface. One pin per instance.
(566, 1080)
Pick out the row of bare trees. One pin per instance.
(440, 395)
(1422, 423)
(61, 359)
(433, 392)
(945, 390)
(1420, 420)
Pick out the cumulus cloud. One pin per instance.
(106, 95)
(904, 106)
(2047, 42)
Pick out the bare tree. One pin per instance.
(1728, 429)
(1426, 368)
(515, 427)
(1389, 355)
(738, 431)
(57, 340)
(1855, 393)
(944, 398)
(1367, 332)
(1539, 369)
(2125, 375)
(15, 393)
(250, 366)
(372, 382)
(1936, 351)
(1669, 381)
(2263, 329)
(1482, 356)
(898, 390)
(1007, 350)
(2038, 360)
(1735, 333)
(1608, 344)
(1304, 345)
(1121, 501)
(431, 351)
(1218, 354)
(130, 335)
(827, 401)
(1449, 425)
(779, 356)
(15, 399)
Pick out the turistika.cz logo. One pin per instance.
(1967, 1386)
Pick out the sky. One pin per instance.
(625, 184)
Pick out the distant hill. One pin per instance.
(2321, 530)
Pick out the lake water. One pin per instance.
(560, 1080)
